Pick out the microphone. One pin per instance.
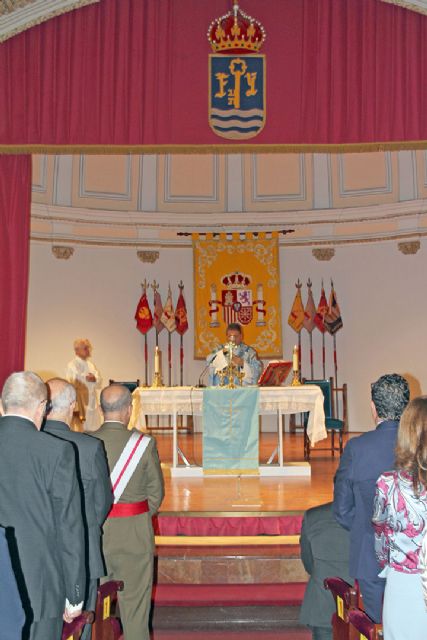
(200, 384)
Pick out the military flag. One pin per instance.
(309, 314)
(168, 315)
(296, 316)
(168, 320)
(143, 317)
(322, 309)
(333, 320)
(181, 314)
(158, 310)
(181, 327)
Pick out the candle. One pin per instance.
(157, 361)
(295, 359)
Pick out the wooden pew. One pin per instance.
(346, 599)
(364, 628)
(107, 622)
(73, 630)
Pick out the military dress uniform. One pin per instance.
(128, 542)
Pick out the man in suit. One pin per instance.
(93, 476)
(40, 500)
(12, 615)
(363, 460)
(128, 531)
(324, 553)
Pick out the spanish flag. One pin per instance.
(143, 317)
(296, 316)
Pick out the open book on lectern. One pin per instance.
(275, 373)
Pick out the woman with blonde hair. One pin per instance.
(400, 521)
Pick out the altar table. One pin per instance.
(279, 401)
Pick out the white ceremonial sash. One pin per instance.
(127, 463)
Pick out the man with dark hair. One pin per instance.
(244, 357)
(364, 459)
(94, 481)
(40, 500)
(137, 482)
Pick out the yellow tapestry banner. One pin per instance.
(237, 279)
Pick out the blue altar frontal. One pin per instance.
(230, 430)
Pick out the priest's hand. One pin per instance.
(90, 377)
(238, 361)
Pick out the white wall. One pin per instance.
(94, 294)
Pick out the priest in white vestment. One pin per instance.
(85, 377)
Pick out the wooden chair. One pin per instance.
(73, 630)
(333, 423)
(131, 385)
(346, 599)
(362, 627)
(107, 623)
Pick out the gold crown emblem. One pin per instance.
(236, 280)
(236, 32)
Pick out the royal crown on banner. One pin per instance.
(236, 80)
(237, 300)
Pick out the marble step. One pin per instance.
(229, 565)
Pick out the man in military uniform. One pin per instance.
(138, 493)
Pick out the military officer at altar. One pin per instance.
(243, 356)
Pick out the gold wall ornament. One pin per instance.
(409, 248)
(148, 256)
(61, 252)
(323, 254)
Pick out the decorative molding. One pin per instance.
(170, 198)
(324, 254)
(409, 248)
(279, 197)
(19, 15)
(386, 189)
(105, 195)
(413, 5)
(61, 252)
(148, 256)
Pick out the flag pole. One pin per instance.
(146, 359)
(181, 344)
(299, 355)
(169, 359)
(309, 285)
(323, 356)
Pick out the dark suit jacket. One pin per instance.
(11, 612)
(40, 499)
(95, 483)
(324, 552)
(146, 483)
(364, 459)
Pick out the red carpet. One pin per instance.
(228, 595)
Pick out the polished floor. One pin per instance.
(247, 493)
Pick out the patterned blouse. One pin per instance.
(400, 521)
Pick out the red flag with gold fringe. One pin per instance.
(143, 317)
(181, 314)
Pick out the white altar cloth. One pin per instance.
(278, 401)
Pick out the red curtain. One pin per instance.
(15, 203)
(135, 72)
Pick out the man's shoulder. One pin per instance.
(366, 439)
(322, 512)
